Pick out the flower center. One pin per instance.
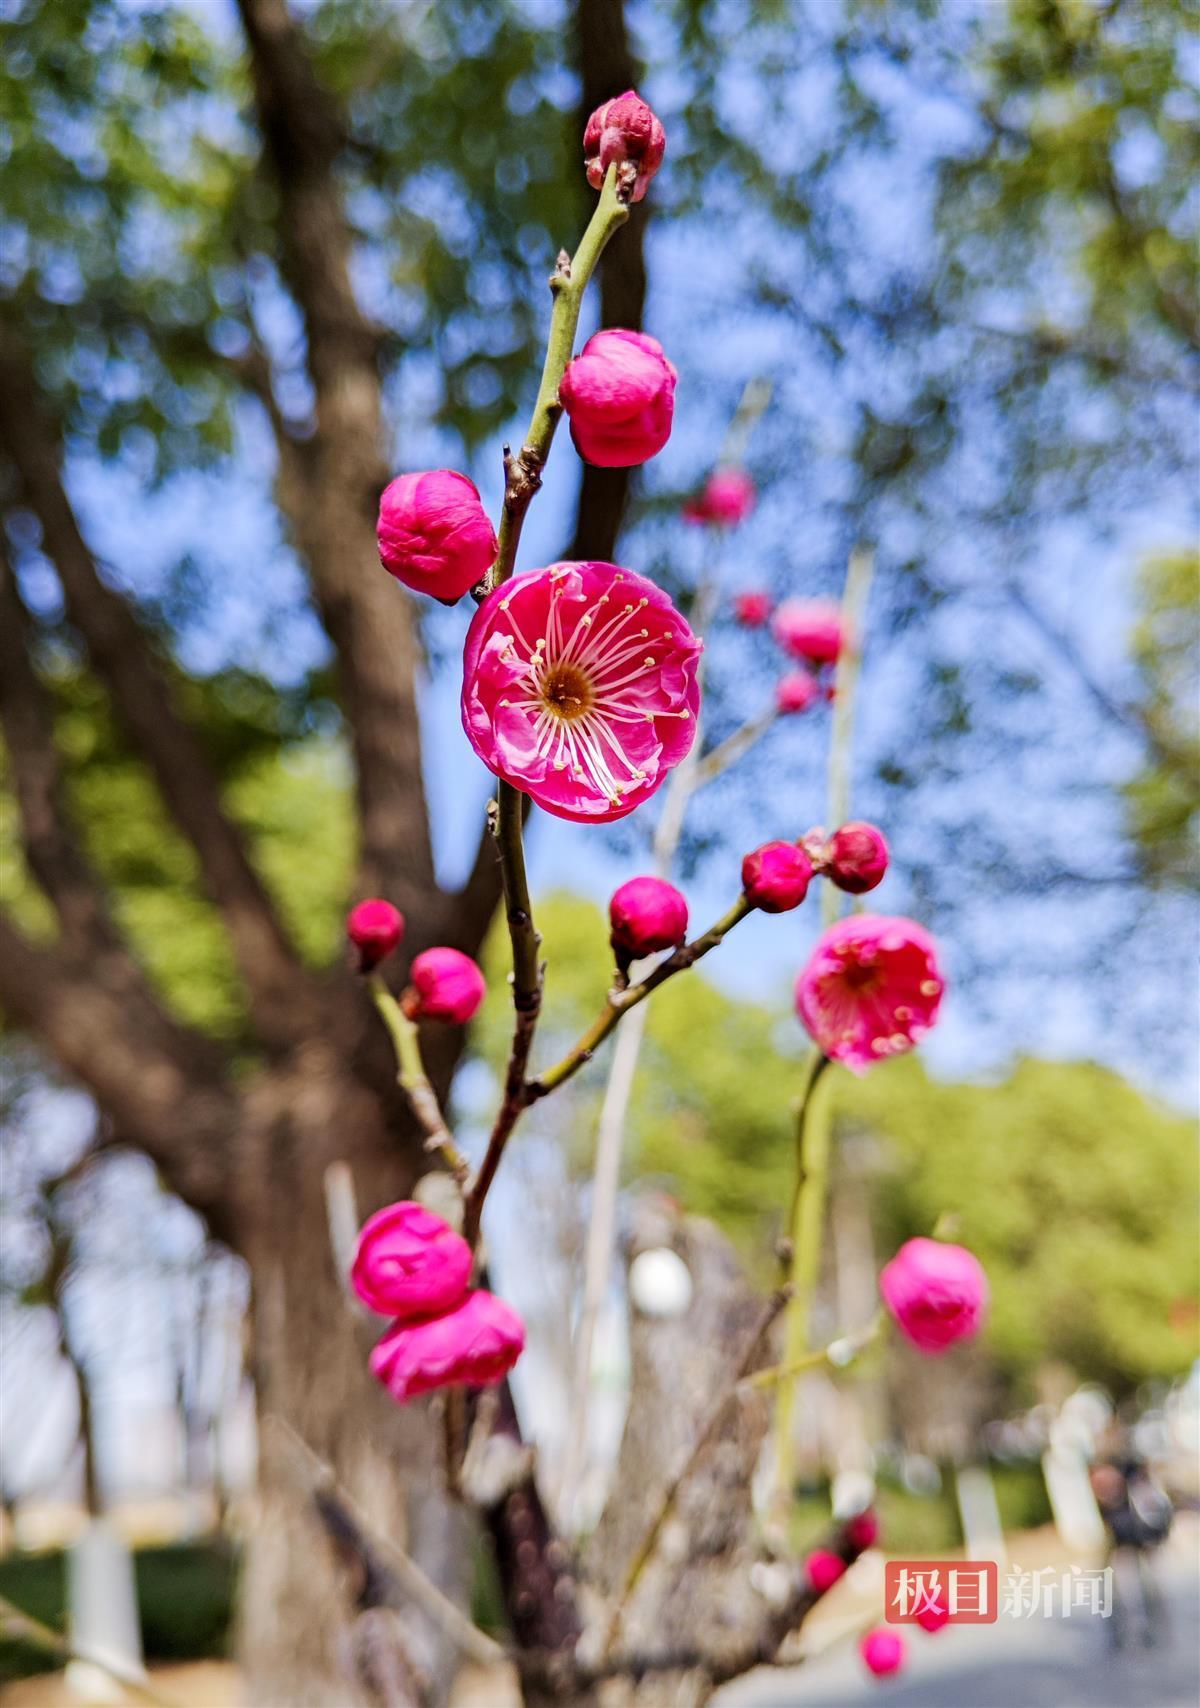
(858, 977)
(567, 692)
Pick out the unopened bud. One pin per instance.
(375, 928)
(624, 132)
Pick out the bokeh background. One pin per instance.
(955, 242)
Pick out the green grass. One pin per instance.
(185, 1596)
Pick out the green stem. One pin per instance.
(413, 1080)
(838, 1353)
(814, 1124)
(621, 1001)
(568, 283)
(808, 1211)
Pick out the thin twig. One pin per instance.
(413, 1080)
(666, 1502)
(734, 747)
(620, 1002)
(23, 1627)
(526, 992)
(453, 1621)
(840, 1352)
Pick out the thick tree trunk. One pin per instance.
(309, 1632)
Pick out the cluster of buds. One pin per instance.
(810, 632)
(883, 1650)
(444, 984)
(411, 1266)
(618, 393)
(775, 877)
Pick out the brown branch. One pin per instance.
(643, 1553)
(162, 1088)
(368, 619)
(121, 654)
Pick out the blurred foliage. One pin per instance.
(1007, 341)
(1163, 800)
(289, 792)
(1078, 1194)
(184, 1592)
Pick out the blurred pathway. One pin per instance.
(1016, 1663)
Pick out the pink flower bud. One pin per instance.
(824, 1569)
(624, 130)
(474, 1345)
(856, 857)
(434, 534)
(409, 1262)
(933, 1617)
(752, 610)
(795, 692)
(882, 1651)
(776, 876)
(726, 499)
(862, 1531)
(937, 1293)
(871, 989)
(446, 985)
(619, 393)
(647, 914)
(810, 629)
(375, 928)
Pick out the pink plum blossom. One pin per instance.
(937, 1293)
(475, 1345)
(375, 928)
(752, 609)
(445, 985)
(776, 876)
(434, 534)
(882, 1651)
(726, 498)
(795, 692)
(856, 857)
(810, 629)
(619, 395)
(647, 914)
(624, 129)
(824, 1568)
(580, 688)
(871, 989)
(409, 1262)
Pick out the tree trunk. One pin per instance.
(311, 1631)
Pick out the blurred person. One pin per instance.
(1137, 1514)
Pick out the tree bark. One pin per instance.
(309, 1627)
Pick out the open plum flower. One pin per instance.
(580, 688)
(871, 989)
